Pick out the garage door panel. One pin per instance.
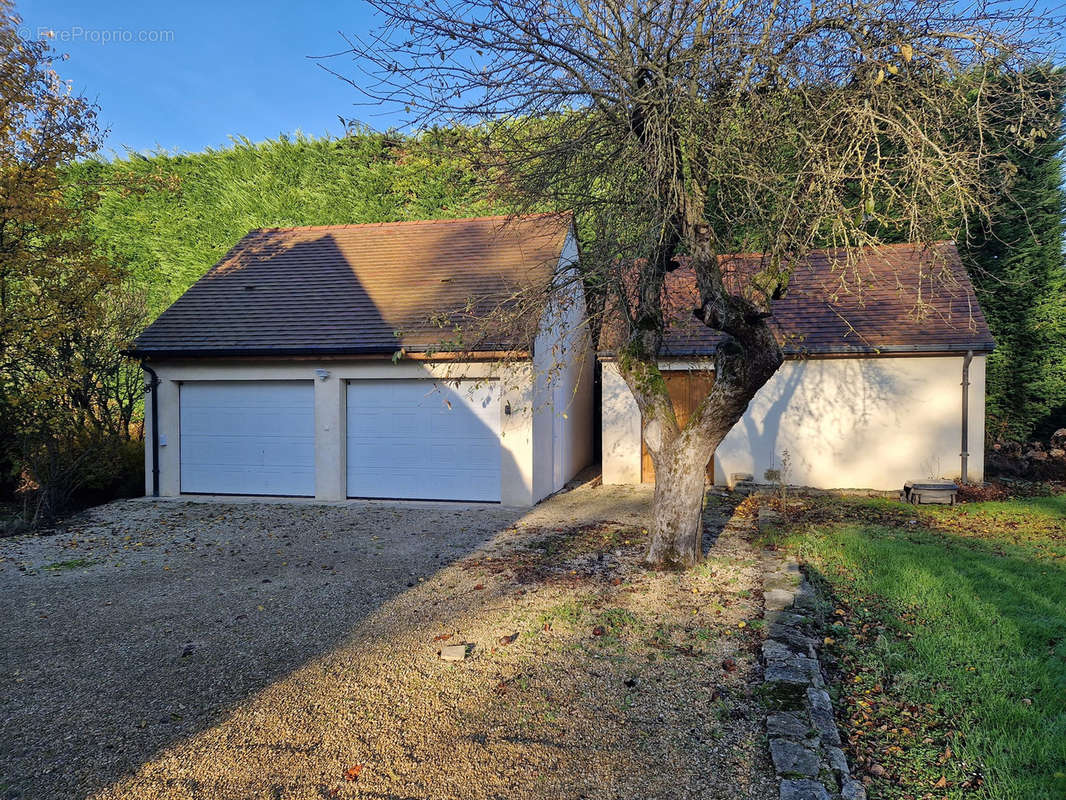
(246, 450)
(248, 437)
(292, 419)
(421, 439)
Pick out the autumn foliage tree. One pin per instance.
(681, 131)
(65, 393)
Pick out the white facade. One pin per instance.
(860, 423)
(564, 371)
(509, 432)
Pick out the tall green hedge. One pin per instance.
(170, 217)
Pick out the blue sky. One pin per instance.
(184, 76)
(194, 73)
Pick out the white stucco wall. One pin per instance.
(619, 428)
(516, 428)
(869, 423)
(564, 366)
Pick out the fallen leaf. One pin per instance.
(942, 783)
(353, 772)
(598, 631)
(729, 665)
(506, 640)
(442, 637)
(479, 586)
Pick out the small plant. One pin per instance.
(618, 619)
(76, 563)
(568, 613)
(779, 478)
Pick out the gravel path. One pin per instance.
(223, 650)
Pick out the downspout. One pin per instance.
(152, 387)
(966, 415)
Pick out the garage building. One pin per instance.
(883, 380)
(436, 360)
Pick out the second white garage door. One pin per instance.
(421, 439)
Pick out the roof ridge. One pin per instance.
(343, 225)
(827, 250)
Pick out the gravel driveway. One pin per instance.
(239, 650)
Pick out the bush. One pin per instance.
(64, 469)
(116, 474)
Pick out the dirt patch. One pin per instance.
(223, 651)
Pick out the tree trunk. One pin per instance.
(677, 511)
(743, 365)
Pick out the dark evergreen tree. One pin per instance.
(1017, 264)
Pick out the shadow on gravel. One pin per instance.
(191, 614)
(105, 665)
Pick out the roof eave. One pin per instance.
(978, 348)
(158, 354)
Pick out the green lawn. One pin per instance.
(948, 627)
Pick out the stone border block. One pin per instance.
(802, 732)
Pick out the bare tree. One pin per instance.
(685, 130)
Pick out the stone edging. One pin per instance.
(803, 734)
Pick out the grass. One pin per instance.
(74, 563)
(949, 629)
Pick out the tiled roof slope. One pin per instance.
(350, 289)
(892, 299)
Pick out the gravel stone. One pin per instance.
(292, 683)
(453, 652)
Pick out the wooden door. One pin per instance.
(687, 388)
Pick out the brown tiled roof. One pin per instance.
(351, 289)
(898, 298)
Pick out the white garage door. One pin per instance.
(248, 437)
(421, 439)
